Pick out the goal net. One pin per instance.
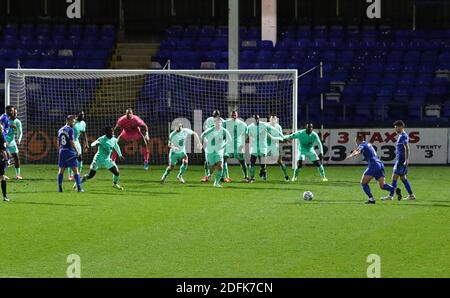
(162, 98)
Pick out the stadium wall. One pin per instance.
(429, 146)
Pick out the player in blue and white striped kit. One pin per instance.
(68, 153)
(375, 169)
(401, 161)
(4, 122)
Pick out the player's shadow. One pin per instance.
(30, 179)
(355, 202)
(414, 204)
(302, 183)
(135, 193)
(318, 202)
(439, 201)
(49, 204)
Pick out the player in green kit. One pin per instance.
(177, 153)
(274, 146)
(14, 133)
(307, 140)
(102, 159)
(208, 124)
(236, 148)
(79, 128)
(215, 140)
(258, 132)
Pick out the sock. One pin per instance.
(366, 189)
(70, 172)
(408, 187)
(284, 169)
(166, 172)
(77, 181)
(80, 166)
(145, 153)
(244, 169)
(321, 171)
(388, 187)
(263, 171)
(4, 188)
(252, 172)
(206, 168)
(225, 170)
(394, 185)
(114, 155)
(115, 179)
(60, 181)
(218, 177)
(296, 172)
(183, 169)
(17, 172)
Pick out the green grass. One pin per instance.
(263, 229)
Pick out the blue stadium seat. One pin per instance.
(303, 32)
(59, 30)
(369, 93)
(88, 43)
(11, 29)
(27, 30)
(402, 94)
(351, 94)
(285, 45)
(43, 30)
(76, 30)
(302, 45)
(265, 44)
(25, 42)
(353, 33)
(91, 30)
(385, 94)
(412, 56)
(296, 56)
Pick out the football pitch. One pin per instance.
(263, 229)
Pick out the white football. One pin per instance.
(308, 196)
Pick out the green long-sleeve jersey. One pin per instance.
(14, 131)
(306, 141)
(216, 140)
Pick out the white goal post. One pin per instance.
(162, 98)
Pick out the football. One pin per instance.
(308, 196)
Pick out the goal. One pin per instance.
(162, 98)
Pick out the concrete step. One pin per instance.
(135, 52)
(131, 58)
(130, 65)
(138, 46)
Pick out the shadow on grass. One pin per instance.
(49, 204)
(317, 202)
(421, 205)
(134, 193)
(30, 179)
(353, 202)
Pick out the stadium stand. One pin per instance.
(373, 70)
(55, 46)
(370, 72)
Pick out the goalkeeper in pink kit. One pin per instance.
(133, 129)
